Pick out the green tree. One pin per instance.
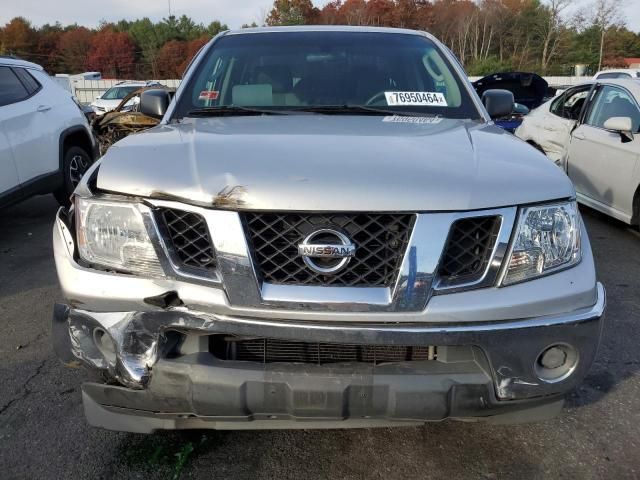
(216, 27)
(292, 12)
(145, 35)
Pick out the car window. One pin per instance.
(299, 69)
(118, 93)
(613, 102)
(11, 88)
(570, 103)
(30, 83)
(614, 75)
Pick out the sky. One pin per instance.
(232, 12)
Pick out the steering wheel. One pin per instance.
(375, 98)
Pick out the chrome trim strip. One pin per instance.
(396, 333)
(272, 293)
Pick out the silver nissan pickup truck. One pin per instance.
(325, 230)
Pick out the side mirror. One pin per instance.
(520, 109)
(621, 125)
(499, 103)
(154, 103)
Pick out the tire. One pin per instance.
(75, 164)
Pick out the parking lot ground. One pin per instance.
(43, 433)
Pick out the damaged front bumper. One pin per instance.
(485, 371)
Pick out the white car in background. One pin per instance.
(620, 73)
(110, 99)
(46, 144)
(592, 131)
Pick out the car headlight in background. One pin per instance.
(112, 234)
(547, 239)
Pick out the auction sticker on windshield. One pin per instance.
(416, 98)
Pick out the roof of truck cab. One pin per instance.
(326, 28)
(17, 62)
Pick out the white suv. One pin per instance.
(46, 144)
(110, 99)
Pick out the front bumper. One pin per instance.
(494, 378)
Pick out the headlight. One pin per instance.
(547, 239)
(113, 234)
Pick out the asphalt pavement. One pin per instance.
(43, 433)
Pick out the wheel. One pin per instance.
(75, 164)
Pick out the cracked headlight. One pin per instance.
(547, 239)
(112, 234)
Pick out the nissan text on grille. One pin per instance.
(326, 229)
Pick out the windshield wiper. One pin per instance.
(357, 109)
(233, 110)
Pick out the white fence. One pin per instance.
(87, 90)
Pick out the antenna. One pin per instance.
(169, 7)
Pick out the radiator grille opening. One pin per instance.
(269, 350)
(188, 234)
(468, 249)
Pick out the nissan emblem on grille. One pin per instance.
(326, 251)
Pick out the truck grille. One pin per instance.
(380, 239)
(269, 350)
(468, 249)
(189, 236)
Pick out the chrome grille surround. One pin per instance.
(381, 240)
(418, 278)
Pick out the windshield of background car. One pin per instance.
(118, 93)
(277, 70)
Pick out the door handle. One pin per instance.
(579, 136)
(44, 108)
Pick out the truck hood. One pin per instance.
(332, 163)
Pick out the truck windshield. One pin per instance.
(302, 71)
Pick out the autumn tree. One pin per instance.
(18, 38)
(192, 48)
(112, 53)
(170, 58)
(73, 49)
(47, 48)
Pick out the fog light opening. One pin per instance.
(556, 362)
(106, 346)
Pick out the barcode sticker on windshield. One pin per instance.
(416, 98)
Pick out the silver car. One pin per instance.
(592, 132)
(325, 230)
